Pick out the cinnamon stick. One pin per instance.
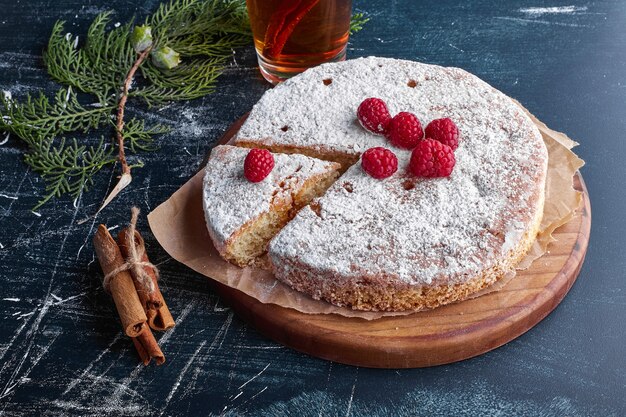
(121, 285)
(148, 348)
(159, 316)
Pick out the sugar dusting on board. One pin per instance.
(439, 399)
(540, 11)
(191, 125)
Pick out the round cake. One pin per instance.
(402, 243)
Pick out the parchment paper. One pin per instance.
(178, 225)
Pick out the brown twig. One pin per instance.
(126, 178)
(121, 106)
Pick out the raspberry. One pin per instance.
(374, 115)
(379, 162)
(258, 165)
(405, 130)
(431, 158)
(445, 131)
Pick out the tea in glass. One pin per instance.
(293, 35)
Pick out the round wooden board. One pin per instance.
(444, 335)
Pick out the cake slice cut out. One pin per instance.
(241, 216)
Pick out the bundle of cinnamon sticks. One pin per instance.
(131, 280)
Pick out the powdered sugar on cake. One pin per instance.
(305, 112)
(411, 230)
(230, 200)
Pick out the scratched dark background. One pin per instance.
(61, 348)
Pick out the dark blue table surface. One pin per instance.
(61, 348)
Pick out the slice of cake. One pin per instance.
(243, 216)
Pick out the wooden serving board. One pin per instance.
(444, 335)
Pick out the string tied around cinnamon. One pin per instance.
(134, 261)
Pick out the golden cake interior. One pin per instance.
(249, 244)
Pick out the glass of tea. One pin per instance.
(293, 35)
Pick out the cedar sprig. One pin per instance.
(99, 66)
(39, 117)
(186, 82)
(176, 21)
(357, 22)
(67, 168)
(141, 138)
(201, 34)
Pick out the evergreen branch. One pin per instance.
(100, 67)
(196, 73)
(356, 23)
(67, 168)
(201, 44)
(140, 138)
(185, 82)
(181, 18)
(38, 117)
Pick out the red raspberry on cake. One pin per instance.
(379, 162)
(445, 131)
(405, 130)
(374, 115)
(258, 165)
(431, 158)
